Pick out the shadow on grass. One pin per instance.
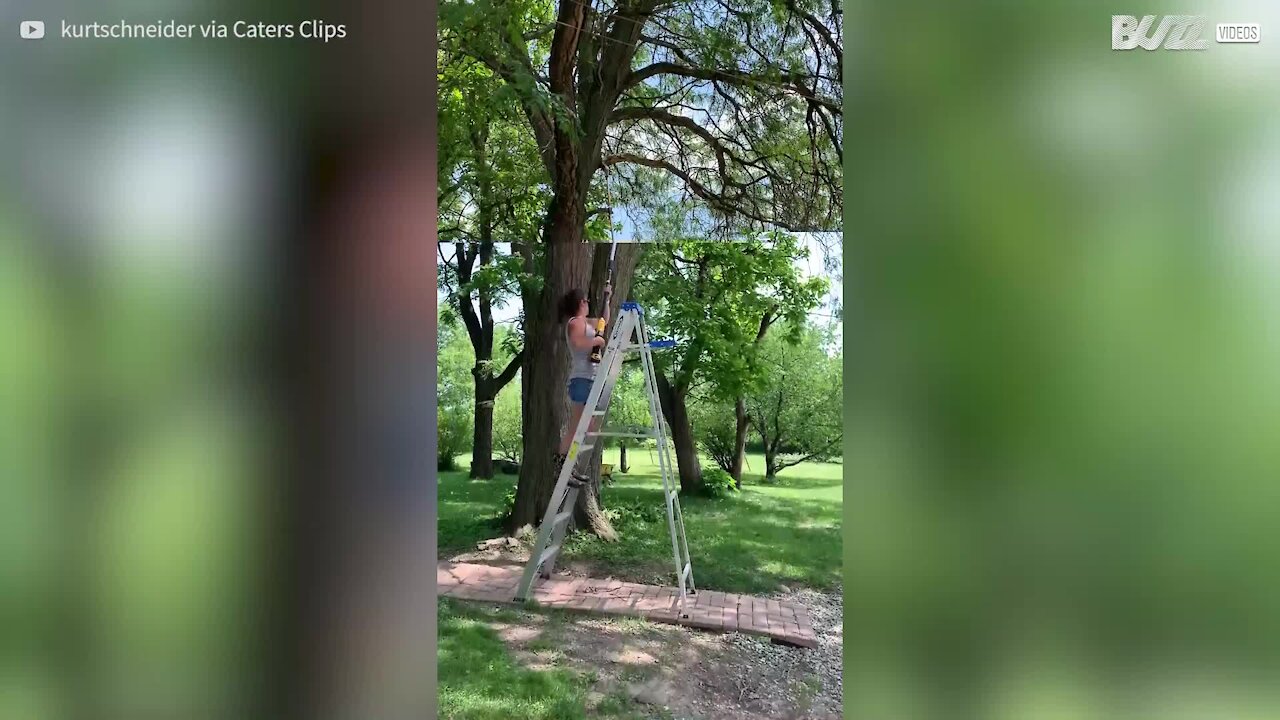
(469, 510)
(479, 680)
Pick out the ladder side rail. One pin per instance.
(664, 458)
(684, 543)
(655, 411)
(547, 529)
(685, 559)
(558, 533)
(676, 511)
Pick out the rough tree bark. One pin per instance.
(567, 266)
(482, 439)
(546, 370)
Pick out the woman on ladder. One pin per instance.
(584, 337)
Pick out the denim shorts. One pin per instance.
(579, 390)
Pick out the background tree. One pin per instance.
(492, 184)
(455, 401)
(508, 442)
(475, 277)
(797, 409)
(714, 421)
(710, 298)
(492, 191)
(594, 81)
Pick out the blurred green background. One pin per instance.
(1063, 458)
(133, 220)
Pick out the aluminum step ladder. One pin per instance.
(628, 336)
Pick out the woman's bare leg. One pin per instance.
(574, 416)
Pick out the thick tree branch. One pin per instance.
(680, 121)
(784, 80)
(716, 201)
(509, 372)
(815, 454)
(765, 321)
(608, 79)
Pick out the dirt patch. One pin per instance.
(691, 674)
(507, 551)
(496, 551)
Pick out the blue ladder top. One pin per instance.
(633, 305)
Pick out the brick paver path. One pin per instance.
(784, 622)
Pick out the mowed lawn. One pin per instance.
(753, 541)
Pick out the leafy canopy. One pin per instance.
(712, 298)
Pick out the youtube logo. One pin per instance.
(32, 29)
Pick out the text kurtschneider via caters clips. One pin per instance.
(241, 29)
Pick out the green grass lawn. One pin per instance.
(754, 541)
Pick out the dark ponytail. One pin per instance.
(570, 302)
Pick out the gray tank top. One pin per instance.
(580, 365)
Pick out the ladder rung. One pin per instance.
(562, 517)
(599, 412)
(673, 495)
(610, 433)
(684, 574)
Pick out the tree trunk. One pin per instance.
(742, 422)
(739, 440)
(545, 371)
(770, 464)
(589, 514)
(480, 327)
(676, 412)
(622, 459)
(482, 436)
(770, 452)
